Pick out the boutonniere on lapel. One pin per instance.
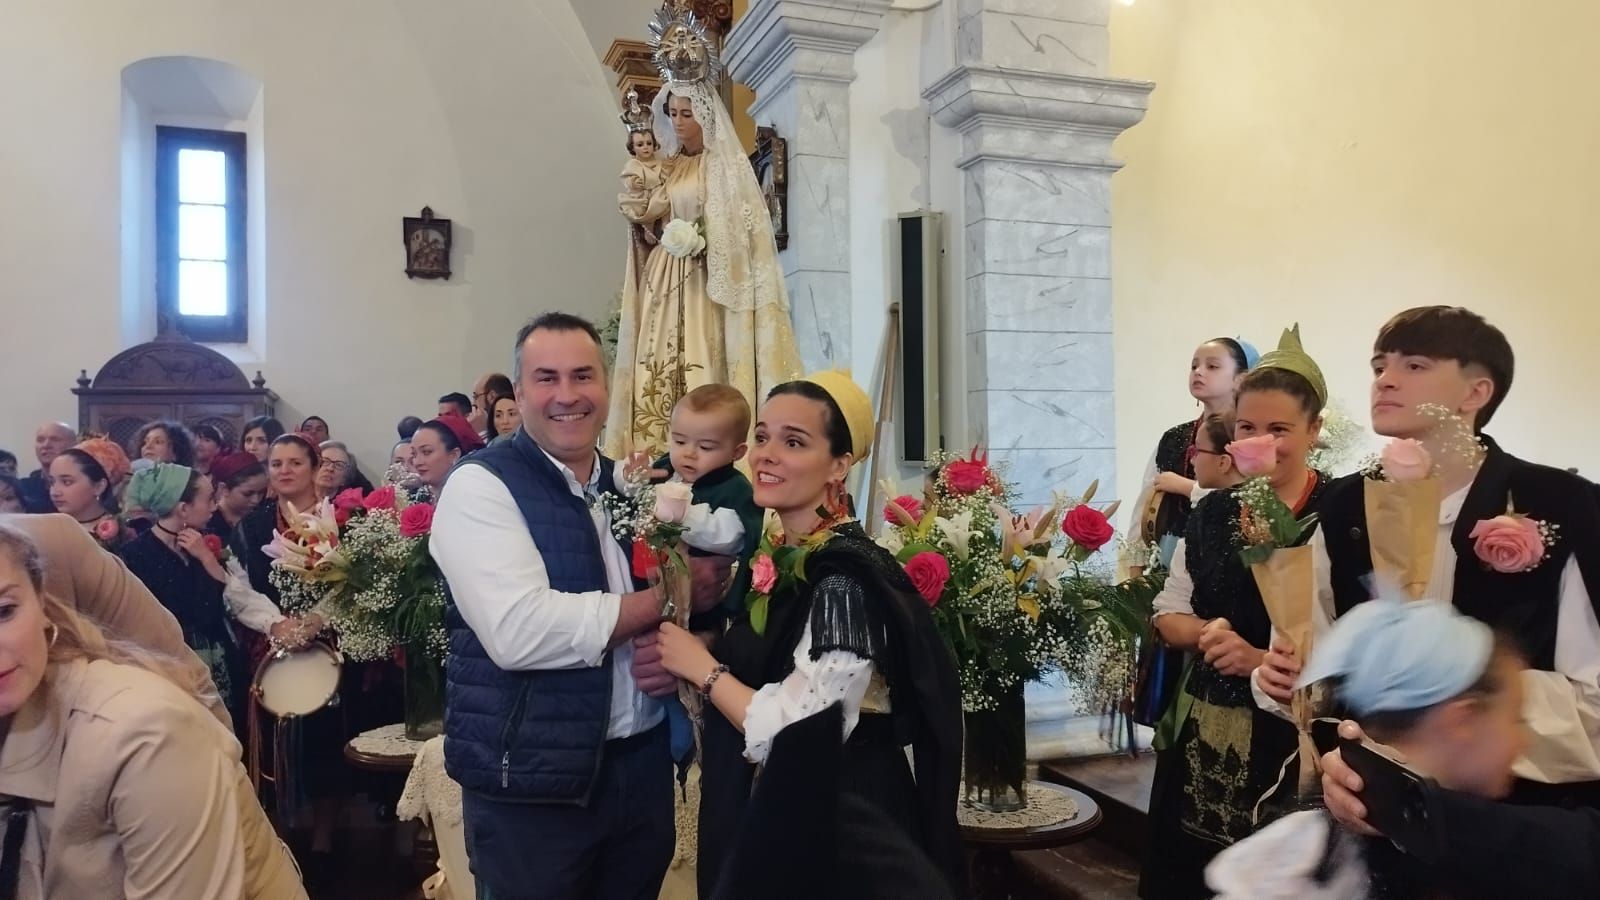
(1513, 542)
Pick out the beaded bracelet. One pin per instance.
(705, 688)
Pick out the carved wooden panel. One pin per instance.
(170, 378)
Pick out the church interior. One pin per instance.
(1008, 220)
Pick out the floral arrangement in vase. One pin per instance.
(362, 561)
(1014, 595)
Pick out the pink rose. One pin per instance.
(348, 500)
(1087, 527)
(382, 498)
(416, 520)
(107, 530)
(929, 573)
(1508, 543)
(906, 510)
(1255, 456)
(672, 502)
(1405, 459)
(763, 574)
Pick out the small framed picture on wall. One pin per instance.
(427, 242)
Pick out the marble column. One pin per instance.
(1037, 116)
(798, 56)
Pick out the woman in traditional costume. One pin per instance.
(1228, 752)
(845, 627)
(181, 566)
(708, 305)
(1170, 489)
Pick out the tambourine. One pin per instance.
(292, 683)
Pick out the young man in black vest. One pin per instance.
(551, 726)
(1452, 358)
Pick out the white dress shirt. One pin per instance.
(500, 584)
(1560, 707)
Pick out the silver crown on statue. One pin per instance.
(635, 115)
(683, 49)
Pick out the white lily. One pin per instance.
(891, 541)
(957, 531)
(1050, 568)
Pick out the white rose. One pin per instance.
(682, 239)
(672, 502)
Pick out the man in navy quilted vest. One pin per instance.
(550, 728)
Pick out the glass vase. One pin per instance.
(424, 680)
(996, 758)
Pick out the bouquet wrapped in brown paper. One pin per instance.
(1282, 568)
(1288, 590)
(1402, 499)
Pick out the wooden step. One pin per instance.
(1121, 785)
(1092, 870)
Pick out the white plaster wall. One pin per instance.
(493, 113)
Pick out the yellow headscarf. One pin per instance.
(853, 402)
(1292, 357)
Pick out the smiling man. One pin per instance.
(1439, 373)
(549, 728)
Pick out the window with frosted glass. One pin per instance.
(200, 203)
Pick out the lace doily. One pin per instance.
(1045, 807)
(387, 740)
(430, 793)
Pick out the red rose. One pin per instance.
(213, 544)
(929, 572)
(416, 520)
(966, 476)
(341, 516)
(1087, 527)
(347, 500)
(382, 498)
(911, 506)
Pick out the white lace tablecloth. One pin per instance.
(387, 740)
(1045, 807)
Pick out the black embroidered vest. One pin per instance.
(1524, 605)
(1173, 455)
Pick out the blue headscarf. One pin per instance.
(1400, 655)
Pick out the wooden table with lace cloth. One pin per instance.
(1054, 817)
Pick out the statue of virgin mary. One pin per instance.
(708, 305)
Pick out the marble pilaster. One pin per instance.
(1036, 118)
(798, 56)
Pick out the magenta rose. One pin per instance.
(910, 506)
(1508, 543)
(382, 498)
(763, 574)
(347, 500)
(416, 520)
(1255, 456)
(929, 573)
(1087, 527)
(1405, 459)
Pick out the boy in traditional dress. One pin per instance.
(1532, 579)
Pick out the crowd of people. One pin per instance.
(564, 718)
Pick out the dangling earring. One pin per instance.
(55, 632)
(836, 502)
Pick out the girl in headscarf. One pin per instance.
(182, 566)
(1228, 751)
(1428, 685)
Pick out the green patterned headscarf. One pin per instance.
(1292, 357)
(158, 489)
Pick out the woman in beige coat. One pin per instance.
(121, 783)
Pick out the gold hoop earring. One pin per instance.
(55, 632)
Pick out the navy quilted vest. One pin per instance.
(531, 737)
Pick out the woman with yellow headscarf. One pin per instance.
(1225, 752)
(833, 620)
